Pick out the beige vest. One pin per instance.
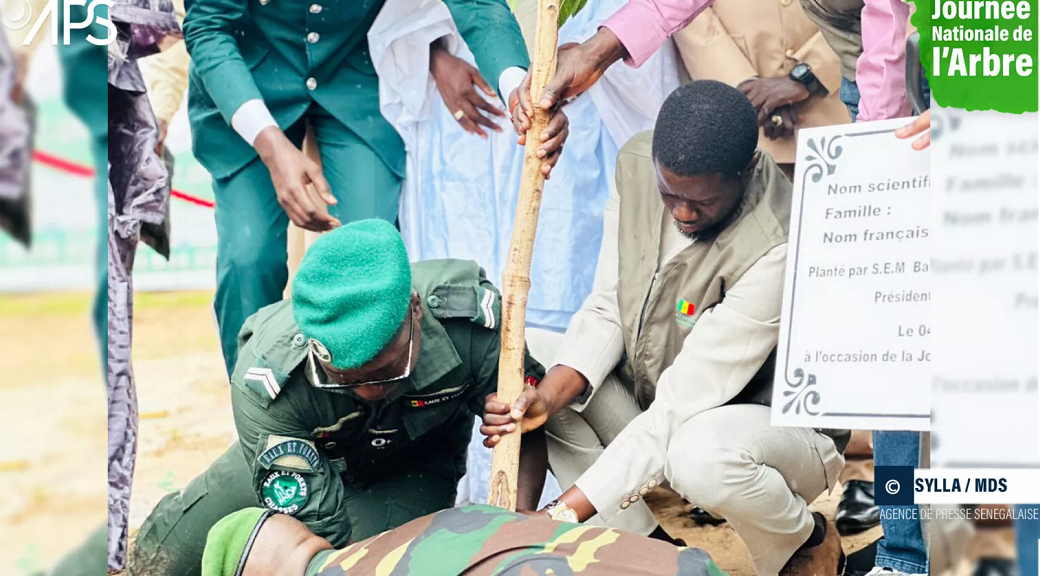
(653, 328)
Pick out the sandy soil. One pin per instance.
(52, 426)
(52, 430)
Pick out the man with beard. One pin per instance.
(666, 372)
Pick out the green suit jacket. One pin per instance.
(268, 49)
(84, 69)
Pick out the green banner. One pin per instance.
(980, 54)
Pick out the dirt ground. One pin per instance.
(53, 426)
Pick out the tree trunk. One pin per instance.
(516, 280)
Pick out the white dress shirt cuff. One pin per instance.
(509, 80)
(252, 118)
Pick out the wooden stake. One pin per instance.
(516, 279)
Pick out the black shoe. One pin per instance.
(996, 567)
(701, 517)
(660, 534)
(857, 511)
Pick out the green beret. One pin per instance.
(229, 539)
(352, 292)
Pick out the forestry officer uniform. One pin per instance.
(349, 468)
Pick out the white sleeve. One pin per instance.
(252, 118)
(509, 79)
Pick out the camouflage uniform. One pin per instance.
(489, 541)
(347, 468)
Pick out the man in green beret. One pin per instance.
(262, 71)
(353, 401)
(472, 540)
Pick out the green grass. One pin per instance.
(47, 304)
(74, 303)
(143, 300)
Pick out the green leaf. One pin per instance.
(565, 11)
(569, 8)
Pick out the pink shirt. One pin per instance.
(881, 69)
(643, 26)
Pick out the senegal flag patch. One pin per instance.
(684, 312)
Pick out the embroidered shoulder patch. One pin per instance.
(285, 492)
(264, 379)
(292, 454)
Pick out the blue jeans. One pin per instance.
(849, 95)
(903, 548)
(1027, 533)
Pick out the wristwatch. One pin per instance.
(803, 74)
(561, 512)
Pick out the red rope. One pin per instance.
(80, 170)
(192, 199)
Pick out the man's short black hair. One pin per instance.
(706, 127)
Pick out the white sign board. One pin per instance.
(855, 326)
(984, 396)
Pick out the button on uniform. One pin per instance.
(644, 491)
(633, 499)
(312, 83)
(313, 37)
(433, 301)
(625, 505)
(316, 8)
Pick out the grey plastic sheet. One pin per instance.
(138, 195)
(17, 118)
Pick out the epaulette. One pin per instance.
(479, 303)
(264, 380)
(268, 357)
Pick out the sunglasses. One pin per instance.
(319, 382)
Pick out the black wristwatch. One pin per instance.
(803, 74)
